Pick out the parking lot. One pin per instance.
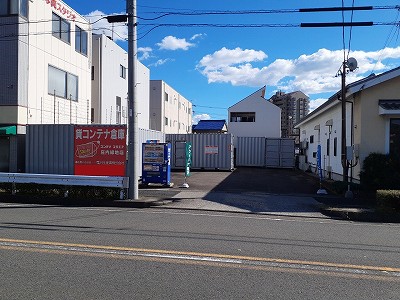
(246, 179)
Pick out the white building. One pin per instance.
(170, 112)
(45, 65)
(372, 125)
(254, 116)
(110, 85)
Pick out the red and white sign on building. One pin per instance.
(61, 8)
(100, 150)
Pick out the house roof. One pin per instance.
(351, 89)
(261, 91)
(210, 125)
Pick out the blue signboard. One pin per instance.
(319, 162)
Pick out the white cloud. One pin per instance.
(316, 103)
(197, 118)
(145, 51)
(312, 74)
(160, 62)
(198, 35)
(174, 43)
(101, 26)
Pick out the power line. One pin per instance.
(267, 11)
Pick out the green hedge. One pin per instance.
(388, 200)
(380, 171)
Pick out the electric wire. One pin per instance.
(351, 30)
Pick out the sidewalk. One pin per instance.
(243, 202)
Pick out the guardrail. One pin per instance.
(66, 180)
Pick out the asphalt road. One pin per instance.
(245, 179)
(51, 252)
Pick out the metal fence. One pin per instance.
(265, 152)
(209, 151)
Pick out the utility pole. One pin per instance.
(133, 130)
(343, 99)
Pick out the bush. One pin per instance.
(388, 200)
(380, 171)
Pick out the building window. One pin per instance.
(166, 121)
(23, 8)
(81, 40)
(92, 72)
(14, 7)
(122, 71)
(311, 139)
(4, 8)
(394, 146)
(92, 115)
(61, 28)
(166, 97)
(243, 117)
(335, 146)
(118, 110)
(328, 144)
(62, 84)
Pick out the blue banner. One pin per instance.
(319, 162)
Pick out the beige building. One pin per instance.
(372, 125)
(170, 112)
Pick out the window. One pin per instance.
(81, 40)
(122, 71)
(394, 143)
(328, 144)
(166, 97)
(62, 84)
(118, 110)
(335, 146)
(72, 87)
(311, 139)
(61, 28)
(23, 8)
(92, 115)
(4, 8)
(14, 7)
(243, 117)
(166, 121)
(92, 72)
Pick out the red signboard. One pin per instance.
(100, 150)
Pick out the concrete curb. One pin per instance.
(360, 214)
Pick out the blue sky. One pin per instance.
(215, 67)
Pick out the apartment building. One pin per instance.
(294, 107)
(110, 85)
(45, 73)
(170, 112)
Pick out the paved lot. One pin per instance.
(249, 190)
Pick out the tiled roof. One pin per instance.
(390, 104)
(210, 125)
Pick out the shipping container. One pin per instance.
(250, 152)
(279, 153)
(209, 151)
(50, 148)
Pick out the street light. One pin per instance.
(133, 129)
